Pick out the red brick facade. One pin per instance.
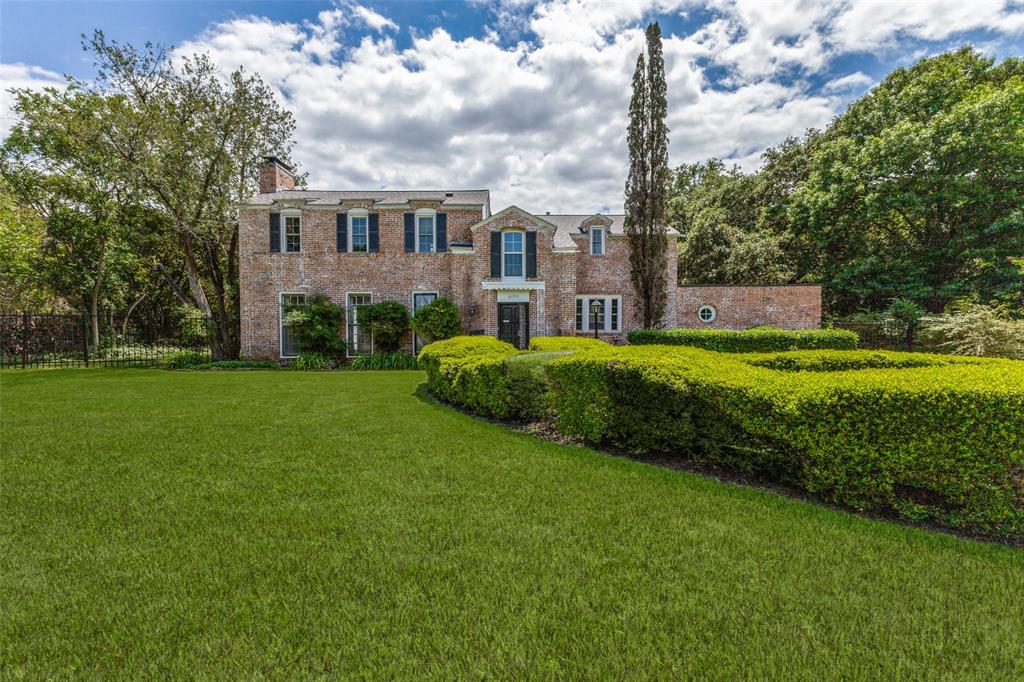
(565, 267)
(462, 273)
(741, 307)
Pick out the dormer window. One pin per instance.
(292, 233)
(597, 241)
(359, 231)
(513, 255)
(426, 231)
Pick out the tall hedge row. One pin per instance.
(943, 441)
(756, 340)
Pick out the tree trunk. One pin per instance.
(95, 296)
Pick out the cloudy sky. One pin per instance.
(527, 99)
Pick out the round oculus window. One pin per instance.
(706, 314)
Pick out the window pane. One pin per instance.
(513, 265)
(513, 242)
(289, 346)
(615, 314)
(597, 242)
(579, 314)
(425, 232)
(291, 233)
(359, 340)
(359, 233)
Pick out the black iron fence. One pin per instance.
(889, 335)
(70, 340)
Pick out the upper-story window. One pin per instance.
(597, 241)
(292, 232)
(513, 255)
(426, 231)
(359, 231)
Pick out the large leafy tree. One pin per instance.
(916, 191)
(190, 138)
(53, 165)
(647, 181)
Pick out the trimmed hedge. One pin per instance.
(839, 361)
(470, 371)
(942, 442)
(555, 343)
(756, 340)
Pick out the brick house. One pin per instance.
(511, 273)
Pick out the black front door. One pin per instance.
(514, 324)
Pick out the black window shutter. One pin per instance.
(275, 233)
(495, 254)
(531, 254)
(410, 232)
(442, 232)
(374, 232)
(341, 232)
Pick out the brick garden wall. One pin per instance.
(741, 307)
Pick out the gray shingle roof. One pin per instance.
(476, 197)
(569, 225)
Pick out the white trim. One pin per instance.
(604, 240)
(280, 321)
(461, 249)
(412, 307)
(714, 313)
(425, 213)
(522, 255)
(285, 215)
(496, 286)
(348, 344)
(358, 213)
(607, 298)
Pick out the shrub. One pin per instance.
(317, 326)
(756, 340)
(841, 360)
(943, 441)
(974, 329)
(438, 320)
(184, 359)
(552, 343)
(392, 360)
(528, 384)
(388, 322)
(470, 371)
(312, 362)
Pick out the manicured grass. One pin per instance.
(283, 524)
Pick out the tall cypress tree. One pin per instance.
(647, 182)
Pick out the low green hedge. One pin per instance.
(839, 361)
(470, 371)
(395, 359)
(556, 343)
(756, 340)
(942, 442)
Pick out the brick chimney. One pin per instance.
(275, 176)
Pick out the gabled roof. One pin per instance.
(537, 220)
(451, 197)
(570, 223)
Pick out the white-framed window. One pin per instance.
(513, 255)
(358, 231)
(707, 313)
(597, 241)
(420, 299)
(289, 344)
(292, 233)
(426, 231)
(358, 341)
(609, 313)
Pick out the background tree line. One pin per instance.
(913, 195)
(120, 194)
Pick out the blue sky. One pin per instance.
(525, 98)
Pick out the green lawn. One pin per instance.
(248, 524)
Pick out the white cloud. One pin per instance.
(852, 82)
(21, 76)
(542, 122)
(378, 22)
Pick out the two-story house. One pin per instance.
(512, 274)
